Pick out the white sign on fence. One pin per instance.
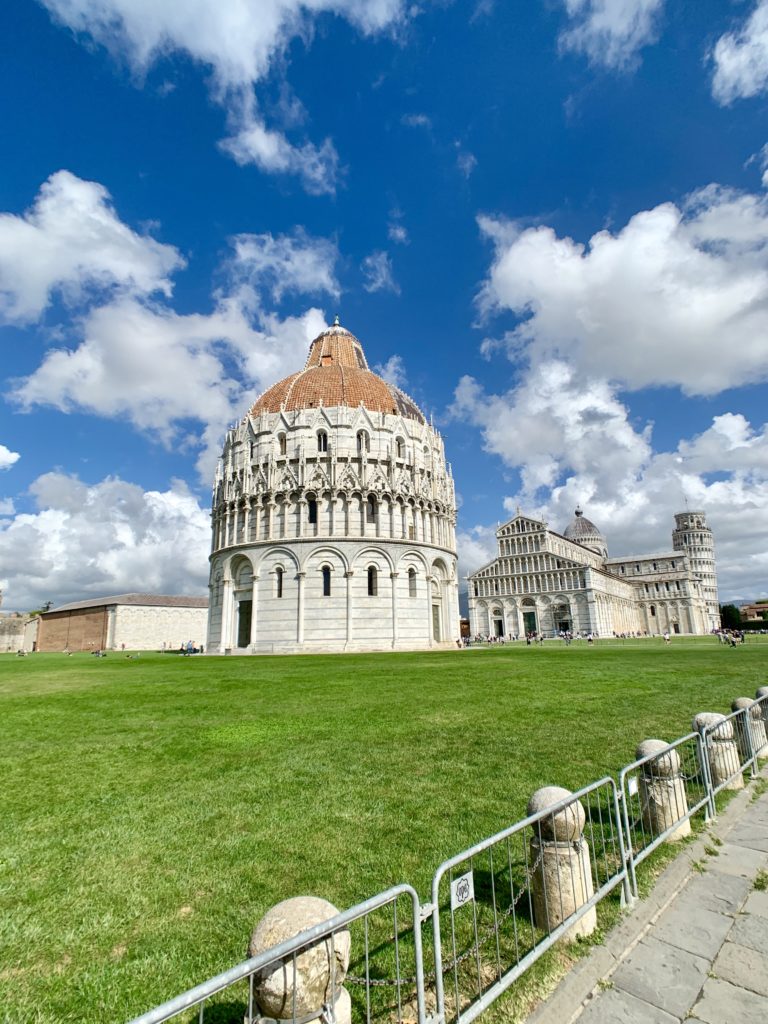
(632, 785)
(462, 890)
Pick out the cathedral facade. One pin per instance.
(333, 518)
(548, 583)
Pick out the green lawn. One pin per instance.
(153, 808)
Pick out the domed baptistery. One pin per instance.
(333, 517)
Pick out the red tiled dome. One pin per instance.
(336, 373)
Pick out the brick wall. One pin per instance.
(81, 630)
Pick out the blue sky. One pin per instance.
(546, 220)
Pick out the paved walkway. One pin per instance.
(696, 949)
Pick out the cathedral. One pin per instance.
(549, 583)
(333, 517)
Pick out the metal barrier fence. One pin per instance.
(389, 941)
(499, 905)
(660, 793)
(494, 901)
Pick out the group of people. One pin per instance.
(731, 637)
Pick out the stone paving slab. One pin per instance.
(751, 930)
(723, 1003)
(726, 896)
(743, 966)
(662, 975)
(757, 904)
(691, 927)
(754, 838)
(616, 1007)
(740, 860)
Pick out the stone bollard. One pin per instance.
(755, 724)
(662, 791)
(762, 691)
(304, 987)
(562, 874)
(722, 753)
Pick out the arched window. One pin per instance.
(412, 583)
(282, 443)
(373, 581)
(653, 610)
(399, 448)
(322, 441)
(278, 582)
(326, 581)
(312, 510)
(370, 509)
(363, 441)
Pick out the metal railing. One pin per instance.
(660, 793)
(484, 897)
(391, 942)
(497, 906)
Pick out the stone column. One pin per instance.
(300, 611)
(254, 606)
(247, 523)
(348, 577)
(722, 753)
(562, 873)
(270, 519)
(754, 725)
(312, 983)
(393, 578)
(663, 800)
(430, 638)
(227, 608)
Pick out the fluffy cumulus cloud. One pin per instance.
(393, 371)
(71, 241)
(106, 538)
(240, 43)
(664, 301)
(611, 32)
(741, 58)
(574, 443)
(129, 355)
(7, 457)
(377, 273)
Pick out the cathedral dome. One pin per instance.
(583, 531)
(336, 373)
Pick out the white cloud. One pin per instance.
(611, 32)
(466, 162)
(393, 372)
(241, 43)
(396, 231)
(416, 121)
(7, 457)
(281, 264)
(7, 508)
(377, 272)
(254, 143)
(574, 443)
(741, 59)
(662, 302)
(161, 370)
(112, 537)
(70, 242)
(134, 357)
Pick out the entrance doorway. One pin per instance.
(529, 622)
(498, 623)
(244, 616)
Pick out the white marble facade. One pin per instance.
(333, 524)
(544, 582)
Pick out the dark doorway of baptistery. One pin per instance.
(245, 612)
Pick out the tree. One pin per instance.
(730, 616)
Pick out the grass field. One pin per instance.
(154, 808)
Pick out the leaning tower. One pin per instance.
(692, 536)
